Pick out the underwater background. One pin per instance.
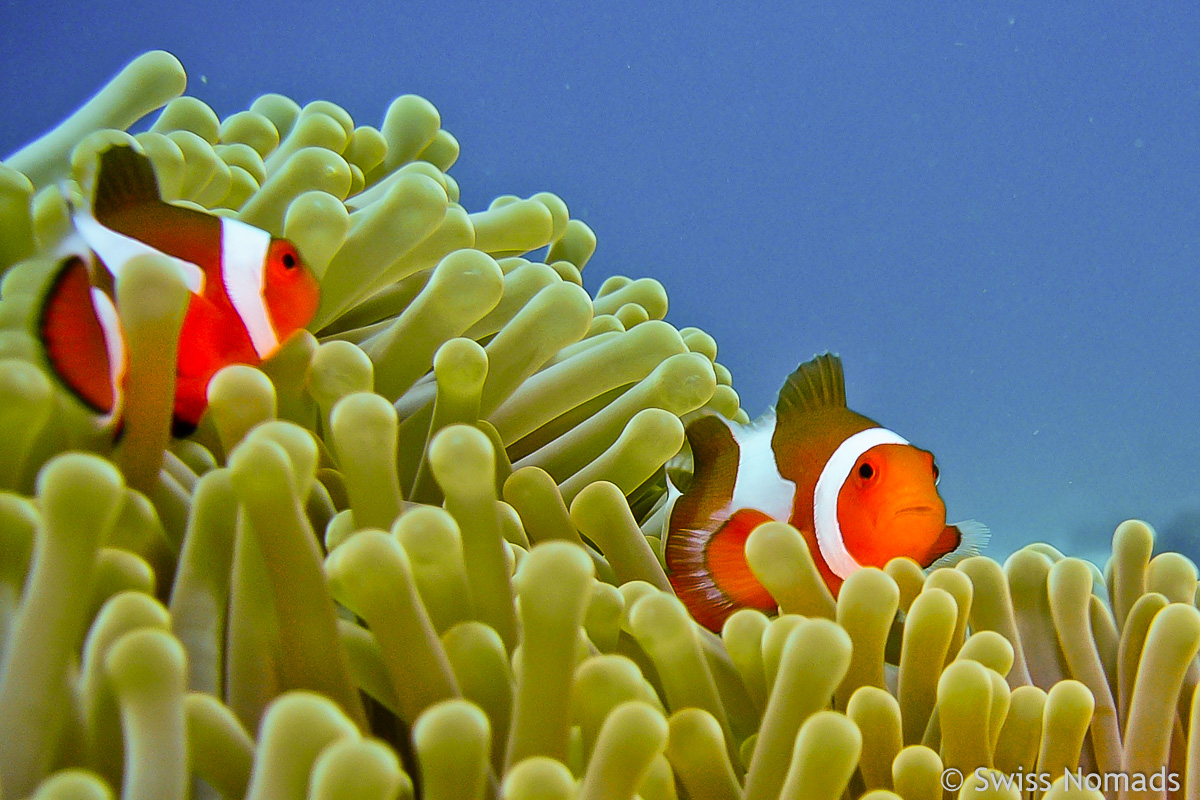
(991, 211)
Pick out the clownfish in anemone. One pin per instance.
(859, 493)
(250, 290)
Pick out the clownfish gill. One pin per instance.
(859, 493)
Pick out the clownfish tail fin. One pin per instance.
(709, 571)
(958, 542)
(819, 383)
(686, 556)
(124, 179)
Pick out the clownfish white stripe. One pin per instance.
(116, 250)
(829, 486)
(759, 484)
(243, 268)
(114, 345)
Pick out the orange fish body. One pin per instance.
(250, 291)
(859, 493)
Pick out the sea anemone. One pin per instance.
(418, 552)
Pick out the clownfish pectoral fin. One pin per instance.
(83, 338)
(947, 543)
(957, 542)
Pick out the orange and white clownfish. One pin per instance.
(250, 290)
(859, 493)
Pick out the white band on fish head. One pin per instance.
(829, 486)
(244, 268)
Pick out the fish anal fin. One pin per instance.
(819, 383)
(75, 338)
(124, 179)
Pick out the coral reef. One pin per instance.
(418, 552)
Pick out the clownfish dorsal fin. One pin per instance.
(124, 179)
(819, 383)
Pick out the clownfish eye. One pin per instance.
(937, 475)
(289, 261)
(866, 471)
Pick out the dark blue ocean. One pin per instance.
(990, 210)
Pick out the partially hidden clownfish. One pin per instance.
(250, 290)
(859, 493)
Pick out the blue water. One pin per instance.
(991, 211)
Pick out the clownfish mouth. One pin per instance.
(915, 510)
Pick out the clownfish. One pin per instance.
(859, 493)
(250, 290)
